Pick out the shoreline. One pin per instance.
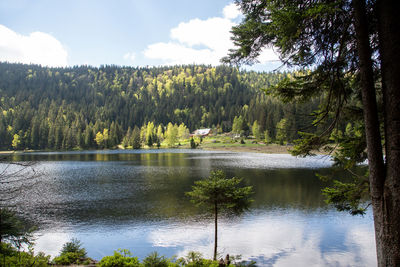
(266, 149)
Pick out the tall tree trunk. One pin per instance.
(389, 45)
(377, 171)
(215, 230)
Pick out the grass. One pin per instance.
(226, 143)
(222, 142)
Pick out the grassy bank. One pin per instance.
(258, 148)
(214, 142)
(226, 143)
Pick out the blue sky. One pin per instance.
(120, 32)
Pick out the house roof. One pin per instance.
(202, 131)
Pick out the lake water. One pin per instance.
(136, 200)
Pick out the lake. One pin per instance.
(136, 200)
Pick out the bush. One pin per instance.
(193, 144)
(9, 256)
(155, 260)
(72, 253)
(67, 258)
(195, 259)
(74, 246)
(121, 258)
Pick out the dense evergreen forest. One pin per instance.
(88, 107)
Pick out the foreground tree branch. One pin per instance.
(352, 50)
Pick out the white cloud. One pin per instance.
(175, 53)
(231, 11)
(50, 242)
(267, 55)
(281, 239)
(37, 47)
(130, 56)
(201, 41)
(212, 36)
(213, 33)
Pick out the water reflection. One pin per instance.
(136, 200)
(284, 239)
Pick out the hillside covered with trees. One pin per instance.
(88, 107)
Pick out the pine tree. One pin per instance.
(136, 142)
(344, 43)
(256, 131)
(219, 193)
(171, 135)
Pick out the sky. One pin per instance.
(120, 32)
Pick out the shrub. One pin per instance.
(74, 246)
(67, 258)
(9, 256)
(121, 258)
(71, 253)
(155, 260)
(195, 259)
(192, 143)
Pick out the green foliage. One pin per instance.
(71, 253)
(267, 137)
(246, 264)
(348, 196)
(149, 141)
(135, 139)
(9, 256)
(150, 134)
(282, 131)
(14, 229)
(351, 146)
(256, 131)
(226, 194)
(319, 38)
(237, 125)
(348, 154)
(192, 257)
(99, 139)
(240, 125)
(236, 260)
(160, 133)
(195, 259)
(127, 138)
(121, 258)
(73, 108)
(67, 258)
(16, 142)
(193, 144)
(171, 135)
(308, 144)
(219, 193)
(155, 260)
(74, 246)
(183, 131)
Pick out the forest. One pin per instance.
(86, 107)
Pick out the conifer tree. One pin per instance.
(135, 141)
(344, 43)
(219, 193)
